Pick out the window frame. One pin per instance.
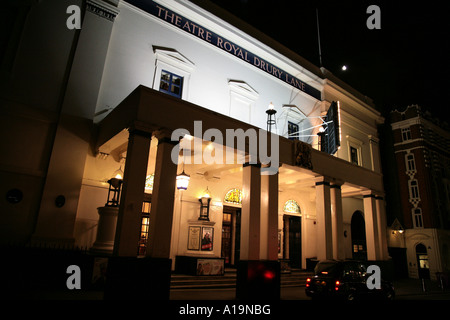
(410, 162)
(173, 62)
(171, 84)
(357, 145)
(406, 134)
(289, 124)
(417, 218)
(354, 161)
(414, 193)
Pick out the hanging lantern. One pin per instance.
(182, 181)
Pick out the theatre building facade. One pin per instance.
(281, 157)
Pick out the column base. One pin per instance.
(106, 230)
(130, 278)
(258, 280)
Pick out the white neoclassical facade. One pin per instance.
(109, 96)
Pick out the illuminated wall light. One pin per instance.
(182, 181)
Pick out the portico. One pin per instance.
(319, 181)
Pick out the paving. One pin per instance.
(405, 289)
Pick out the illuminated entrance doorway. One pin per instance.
(422, 261)
(358, 229)
(145, 224)
(293, 240)
(231, 235)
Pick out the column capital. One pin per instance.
(322, 180)
(136, 129)
(256, 165)
(372, 194)
(163, 135)
(337, 183)
(368, 194)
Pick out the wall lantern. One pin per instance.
(396, 227)
(115, 184)
(204, 205)
(271, 117)
(183, 180)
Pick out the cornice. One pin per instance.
(102, 9)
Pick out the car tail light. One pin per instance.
(337, 284)
(308, 281)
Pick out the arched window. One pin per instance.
(291, 206)
(410, 162)
(233, 196)
(417, 218)
(413, 189)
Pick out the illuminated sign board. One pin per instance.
(216, 40)
(330, 139)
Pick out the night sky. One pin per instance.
(405, 62)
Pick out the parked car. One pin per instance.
(345, 280)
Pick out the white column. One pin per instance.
(161, 214)
(337, 222)
(250, 216)
(323, 214)
(269, 217)
(130, 208)
(382, 225)
(370, 218)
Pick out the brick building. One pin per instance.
(421, 144)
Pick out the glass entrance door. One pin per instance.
(422, 261)
(293, 240)
(226, 238)
(231, 235)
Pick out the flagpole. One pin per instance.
(318, 37)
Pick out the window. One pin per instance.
(417, 218)
(354, 150)
(172, 72)
(171, 83)
(291, 206)
(354, 158)
(145, 225)
(293, 130)
(149, 183)
(406, 134)
(413, 189)
(233, 196)
(410, 162)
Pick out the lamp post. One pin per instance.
(106, 228)
(204, 205)
(271, 117)
(115, 184)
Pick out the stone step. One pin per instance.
(296, 278)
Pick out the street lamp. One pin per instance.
(115, 185)
(271, 117)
